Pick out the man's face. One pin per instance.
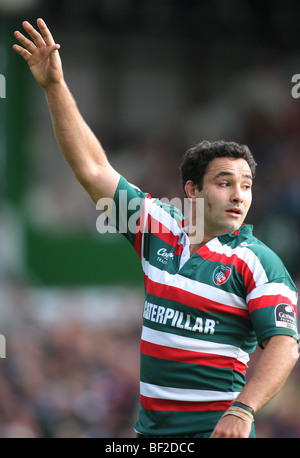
(227, 195)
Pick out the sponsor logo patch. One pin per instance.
(221, 275)
(164, 256)
(285, 317)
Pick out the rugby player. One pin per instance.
(209, 301)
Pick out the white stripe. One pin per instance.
(167, 339)
(161, 215)
(180, 394)
(246, 255)
(193, 286)
(273, 289)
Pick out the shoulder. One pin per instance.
(263, 260)
(128, 190)
(153, 215)
(257, 262)
(172, 207)
(267, 256)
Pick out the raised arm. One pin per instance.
(80, 147)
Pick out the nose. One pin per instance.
(237, 196)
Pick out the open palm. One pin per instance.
(41, 54)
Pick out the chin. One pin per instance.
(230, 228)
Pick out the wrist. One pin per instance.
(244, 406)
(241, 411)
(55, 86)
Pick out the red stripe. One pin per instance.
(269, 301)
(191, 357)
(164, 233)
(178, 250)
(138, 241)
(154, 226)
(240, 265)
(191, 299)
(140, 229)
(183, 406)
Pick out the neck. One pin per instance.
(196, 246)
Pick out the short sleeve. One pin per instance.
(127, 215)
(142, 219)
(273, 308)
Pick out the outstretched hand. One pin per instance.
(41, 53)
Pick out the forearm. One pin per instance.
(271, 371)
(80, 147)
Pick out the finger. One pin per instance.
(52, 53)
(54, 47)
(23, 52)
(37, 38)
(29, 45)
(46, 34)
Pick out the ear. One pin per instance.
(190, 190)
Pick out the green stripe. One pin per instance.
(235, 283)
(152, 244)
(176, 422)
(123, 212)
(189, 376)
(286, 280)
(272, 264)
(264, 322)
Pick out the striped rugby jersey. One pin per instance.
(203, 315)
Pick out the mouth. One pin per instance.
(234, 211)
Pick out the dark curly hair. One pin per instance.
(197, 158)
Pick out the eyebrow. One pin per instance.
(224, 174)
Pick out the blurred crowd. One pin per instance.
(67, 372)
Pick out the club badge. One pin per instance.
(221, 274)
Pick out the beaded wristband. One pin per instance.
(246, 416)
(243, 406)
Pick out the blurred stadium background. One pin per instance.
(151, 78)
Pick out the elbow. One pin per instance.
(287, 344)
(98, 181)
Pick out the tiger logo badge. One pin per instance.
(221, 275)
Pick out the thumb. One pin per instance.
(54, 48)
(53, 53)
